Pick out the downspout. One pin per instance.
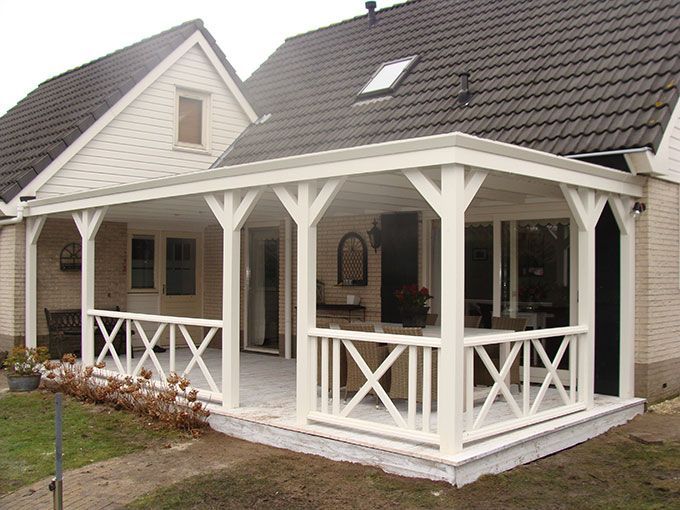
(20, 213)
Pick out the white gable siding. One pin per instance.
(674, 146)
(667, 158)
(138, 143)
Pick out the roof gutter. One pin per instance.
(20, 213)
(608, 153)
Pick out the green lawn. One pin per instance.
(91, 433)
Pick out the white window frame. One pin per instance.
(156, 261)
(205, 99)
(412, 59)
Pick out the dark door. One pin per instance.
(607, 301)
(399, 259)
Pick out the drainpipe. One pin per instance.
(20, 213)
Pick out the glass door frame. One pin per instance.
(247, 283)
(496, 220)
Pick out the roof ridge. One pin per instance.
(197, 22)
(349, 20)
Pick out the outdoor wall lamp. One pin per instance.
(375, 236)
(638, 209)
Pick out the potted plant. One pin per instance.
(413, 305)
(24, 368)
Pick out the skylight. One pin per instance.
(388, 76)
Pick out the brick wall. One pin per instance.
(329, 233)
(61, 289)
(657, 349)
(11, 285)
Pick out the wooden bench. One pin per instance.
(64, 328)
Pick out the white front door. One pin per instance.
(181, 274)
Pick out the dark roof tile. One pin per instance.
(566, 77)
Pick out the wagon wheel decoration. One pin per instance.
(70, 258)
(352, 260)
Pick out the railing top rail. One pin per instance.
(362, 336)
(501, 338)
(168, 319)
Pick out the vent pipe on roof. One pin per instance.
(464, 95)
(372, 18)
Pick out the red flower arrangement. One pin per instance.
(410, 297)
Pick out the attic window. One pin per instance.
(192, 111)
(388, 76)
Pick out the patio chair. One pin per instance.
(431, 319)
(372, 353)
(399, 369)
(482, 375)
(472, 321)
(326, 323)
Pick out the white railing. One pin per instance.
(532, 407)
(329, 407)
(162, 323)
(489, 411)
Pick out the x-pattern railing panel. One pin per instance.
(197, 355)
(109, 337)
(417, 368)
(373, 382)
(501, 379)
(148, 348)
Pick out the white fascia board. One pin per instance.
(226, 78)
(376, 158)
(105, 119)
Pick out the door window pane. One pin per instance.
(190, 121)
(535, 277)
(479, 271)
(180, 267)
(142, 262)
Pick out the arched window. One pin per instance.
(352, 260)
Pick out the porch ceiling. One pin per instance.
(361, 194)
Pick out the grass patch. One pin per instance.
(608, 472)
(91, 434)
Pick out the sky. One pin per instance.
(42, 38)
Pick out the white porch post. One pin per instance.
(288, 289)
(307, 210)
(450, 202)
(34, 226)
(586, 206)
(231, 212)
(450, 404)
(88, 222)
(621, 207)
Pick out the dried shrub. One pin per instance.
(172, 404)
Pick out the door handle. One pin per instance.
(164, 289)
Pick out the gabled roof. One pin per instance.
(561, 76)
(40, 127)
